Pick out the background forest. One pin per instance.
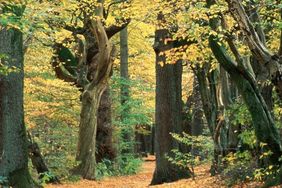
(101, 89)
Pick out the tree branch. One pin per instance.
(113, 29)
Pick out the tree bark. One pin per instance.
(105, 147)
(197, 124)
(265, 129)
(91, 96)
(168, 113)
(126, 131)
(270, 61)
(13, 153)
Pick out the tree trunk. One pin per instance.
(265, 129)
(168, 120)
(208, 84)
(13, 145)
(87, 131)
(126, 131)
(168, 113)
(271, 62)
(152, 140)
(105, 147)
(91, 98)
(197, 124)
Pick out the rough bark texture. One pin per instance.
(168, 113)
(168, 120)
(270, 61)
(264, 125)
(99, 76)
(105, 147)
(13, 156)
(197, 124)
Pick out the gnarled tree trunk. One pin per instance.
(91, 99)
(265, 129)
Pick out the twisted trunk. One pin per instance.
(91, 97)
(265, 129)
(270, 61)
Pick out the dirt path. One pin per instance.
(143, 179)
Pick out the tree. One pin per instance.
(124, 90)
(264, 126)
(270, 61)
(99, 58)
(91, 72)
(13, 138)
(168, 109)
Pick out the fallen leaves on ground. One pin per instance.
(144, 177)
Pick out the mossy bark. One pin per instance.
(13, 154)
(265, 129)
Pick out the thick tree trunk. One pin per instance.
(13, 145)
(168, 120)
(168, 113)
(87, 131)
(105, 147)
(102, 67)
(76, 74)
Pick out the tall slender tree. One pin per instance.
(124, 90)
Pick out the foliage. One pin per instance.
(46, 177)
(4, 181)
(104, 168)
(51, 111)
(128, 164)
(240, 167)
(52, 106)
(201, 149)
(5, 69)
(125, 164)
(243, 167)
(239, 114)
(133, 111)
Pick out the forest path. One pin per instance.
(144, 177)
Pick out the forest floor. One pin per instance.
(144, 177)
